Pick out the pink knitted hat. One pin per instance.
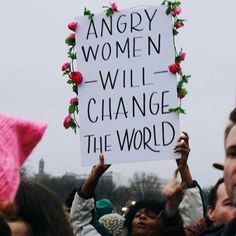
(18, 138)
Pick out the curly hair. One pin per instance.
(149, 205)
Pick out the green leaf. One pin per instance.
(178, 110)
(69, 81)
(72, 55)
(77, 109)
(71, 109)
(88, 13)
(175, 32)
(168, 11)
(70, 42)
(66, 72)
(73, 125)
(91, 16)
(109, 12)
(75, 88)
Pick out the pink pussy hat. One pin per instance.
(18, 138)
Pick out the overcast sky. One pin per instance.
(32, 50)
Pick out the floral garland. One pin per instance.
(75, 78)
(174, 9)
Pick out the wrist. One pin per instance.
(170, 210)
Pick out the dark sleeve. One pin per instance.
(172, 226)
(230, 229)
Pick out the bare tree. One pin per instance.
(145, 186)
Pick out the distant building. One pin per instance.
(41, 172)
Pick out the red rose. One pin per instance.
(67, 120)
(74, 101)
(65, 66)
(76, 77)
(174, 68)
(114, 7)
(73, 26)
(176, 11)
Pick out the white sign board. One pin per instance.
(127, 91)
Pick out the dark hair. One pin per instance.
(149, 205)
(232, 122)
(4, 228)
(42, 209)
(212, 196)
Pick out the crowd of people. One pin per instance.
(28, 208)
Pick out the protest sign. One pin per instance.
(127, 89)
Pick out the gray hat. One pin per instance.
(114, 223)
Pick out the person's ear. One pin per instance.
(211, 214)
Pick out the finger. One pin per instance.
(185, 133)
(182, 150)
(180, 145)
(183, 139)
(101, 159)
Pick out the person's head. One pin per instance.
(230, 158)
(103, 206)
(143, 218)
(219, 208)
(18, 138)
(41, 209)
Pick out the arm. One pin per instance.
(172, 223)
(83, 207)
(193, 198)
(174, 193)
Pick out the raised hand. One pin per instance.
(182, 147)
(96, 172)
(174, 193)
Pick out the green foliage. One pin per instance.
(88, 13)
(178, 110)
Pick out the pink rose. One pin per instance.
(65, 66)
(73, 26)
(182, 55)
(67, 120)
(174, 68)
(71, 37)
(179, 24)
(176, 11)
(76, 77)
(74, 101)
(114, 7)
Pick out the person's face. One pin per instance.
(230, 165)
(145, 223)
(224, 212)
(19, 228)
